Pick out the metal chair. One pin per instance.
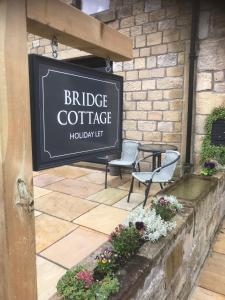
(128, 158)
(160, 175)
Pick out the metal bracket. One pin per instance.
(55, 46)
(26, 200)
(108, 67)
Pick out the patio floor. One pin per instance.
(211, 282)
(74, 215)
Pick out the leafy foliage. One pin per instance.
(78, 284)
(166, 207)
(209, 151)
(154, 226)
(126, 241)
(106, 264)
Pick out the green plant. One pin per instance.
(109, 286)
(78, 284)
(126, 241)
(209, 168)
(208, 150)
(106, 264)
(166, 207)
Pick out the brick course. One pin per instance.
(154, 89)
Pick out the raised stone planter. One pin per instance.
(168, 269)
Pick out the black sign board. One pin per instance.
(218, 133)
(76, 112)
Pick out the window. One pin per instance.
(91, 7)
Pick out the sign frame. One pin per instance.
(37, 111)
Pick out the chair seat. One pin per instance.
(120, 162)
(146, 176)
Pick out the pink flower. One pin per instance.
(86, 277)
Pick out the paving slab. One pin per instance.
(68, 171)
(108, 196)
(75, 187)
(155, 188)
(49, 229)
(72, 249)
(37, 213)
(48, 275)
(45, 179)
(212, 276)
(99, 178)
(136, 199)
(219, 244)
(203, 294)
(39, 192)
(102, 218)
(63, 206)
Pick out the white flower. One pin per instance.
(155, 227)
(171, 199)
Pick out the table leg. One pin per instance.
(153, 162)
(159, 160)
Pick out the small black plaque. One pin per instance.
(76, 112)
(218, 133)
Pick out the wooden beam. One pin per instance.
(17, 239)
(76, 29)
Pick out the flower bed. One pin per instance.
(168, 268)
(149, 224)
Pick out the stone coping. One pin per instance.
(133, 275)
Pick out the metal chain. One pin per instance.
(108, 67)
(55, 46)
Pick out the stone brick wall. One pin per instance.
(156, 80)
(210, 88)
(168, 269)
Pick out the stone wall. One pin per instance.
(156, 80)
(210, 88)
(169, 268)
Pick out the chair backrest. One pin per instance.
(170, 159)
(129, 151)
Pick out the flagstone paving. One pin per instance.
(45, 179)
(137, 199)
(102, 218)
(50, 229)
(39, 192)
(108, 196)
(73, 248)
(63, 206)
(75, 187)
(211, 281)
(74, 214)
(48, 274)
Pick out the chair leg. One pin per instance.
(131, 188)
(139, 170)
(161, 185)
(106, 171)
(146, 193)
(120, 173)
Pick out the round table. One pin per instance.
(156, 150)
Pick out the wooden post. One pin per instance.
(17, 238)
(76, 29)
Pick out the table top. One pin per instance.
(156, 148)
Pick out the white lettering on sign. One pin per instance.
(85, 135)
(85, 99)
(73, 117)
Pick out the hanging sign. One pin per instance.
(76, 112)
